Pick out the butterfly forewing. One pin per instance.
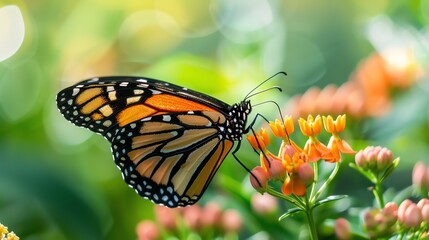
(105, 104)
(167, 141)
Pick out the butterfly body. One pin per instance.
(168, 141)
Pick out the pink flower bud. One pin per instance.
(425, 212)
(402, 208)
(384, 159)
(423, 205)
(409, 214)
(360, 160)
(288, 150)
(391, 209)
(147, 230)
(167, 217)
(192, 216)
(379, 224)
(259, 179)
(231, 220)
(342, 229)
(264, 203)
(277, 170)
(211, 215)
(422, 202)
(413, 216)
(421, 176)
(306, 173)
(374, 158)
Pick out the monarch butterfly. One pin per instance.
(168, 141)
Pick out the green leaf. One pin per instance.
(329, 199)
(289, 213)
(390, 169)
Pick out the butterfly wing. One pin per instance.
(168, 141)
(106, 104)
(171, 158)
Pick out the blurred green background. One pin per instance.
(58, 181)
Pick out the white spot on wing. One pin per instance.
(75, 91)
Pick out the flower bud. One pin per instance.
(277, 170)
(409, 214)
(231, 220)
(379, 224)
(192, 216)
(259, 179)
(384, 159)
(211, 215)
(147, 230)
(288, 150)
(306, 173)
(264, 203)
(374, 158)
(342, 229)
(167, 217)
(391, 210)
(423, 205)
(420, 176)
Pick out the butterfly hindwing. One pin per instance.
(171, 158)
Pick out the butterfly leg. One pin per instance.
(241, 163)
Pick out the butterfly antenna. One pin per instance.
(266, 80)
(273, 102)
(265, 90)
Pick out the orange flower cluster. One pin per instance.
(366, 93)
(291, 165)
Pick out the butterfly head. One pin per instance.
(236, 123)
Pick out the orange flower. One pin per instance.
(259, 141)
(334, 127)
(283, 129)
(314, 149)
(292, 163)
(294, 185)
(336, 144)
(311, 126)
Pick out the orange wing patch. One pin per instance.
(93, 105)
(87, 94)
(134, 113)
(170, 103)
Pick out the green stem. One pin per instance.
(310, 219)
(378, 193)
(294, 200)
(326, 183)
(316, 179)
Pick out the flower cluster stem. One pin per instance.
(326, 183)
(310, 219)
(378, 193)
